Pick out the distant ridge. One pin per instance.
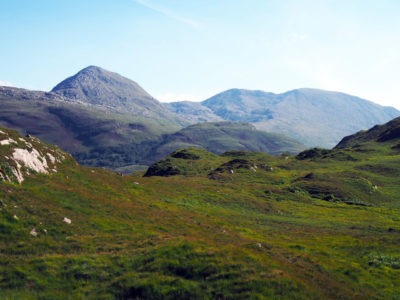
(311, 116)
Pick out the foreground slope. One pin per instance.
(313, 117)
(322, 225)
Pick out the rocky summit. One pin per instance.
(98, 86)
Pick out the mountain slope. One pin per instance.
(313, 117)
(235, 226)
(389, 132)
(193, 112)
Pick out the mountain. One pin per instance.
(219, 137)
(97, 86)
(313, 117)
(104, 119)
(240, 225)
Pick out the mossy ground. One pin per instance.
(280, 228)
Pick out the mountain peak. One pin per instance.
(98, 86)
(93, 68)
(96, 71)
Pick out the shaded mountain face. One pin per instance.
(389, 132)
(97, 86)
(314, 117)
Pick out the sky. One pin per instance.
(193, 49)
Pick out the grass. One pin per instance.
(256, 233)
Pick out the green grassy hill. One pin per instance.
(241, 225)
(218, 137)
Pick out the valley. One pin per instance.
(319, 225)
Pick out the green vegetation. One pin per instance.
(218, 137)
(242, 225)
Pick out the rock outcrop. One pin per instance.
(21, 157)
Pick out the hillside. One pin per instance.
(321, 225)
(389, 132)
(313, 117)
(218, 137)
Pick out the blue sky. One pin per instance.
(193, 49)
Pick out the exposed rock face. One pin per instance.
(31, 159)
(20, 157)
